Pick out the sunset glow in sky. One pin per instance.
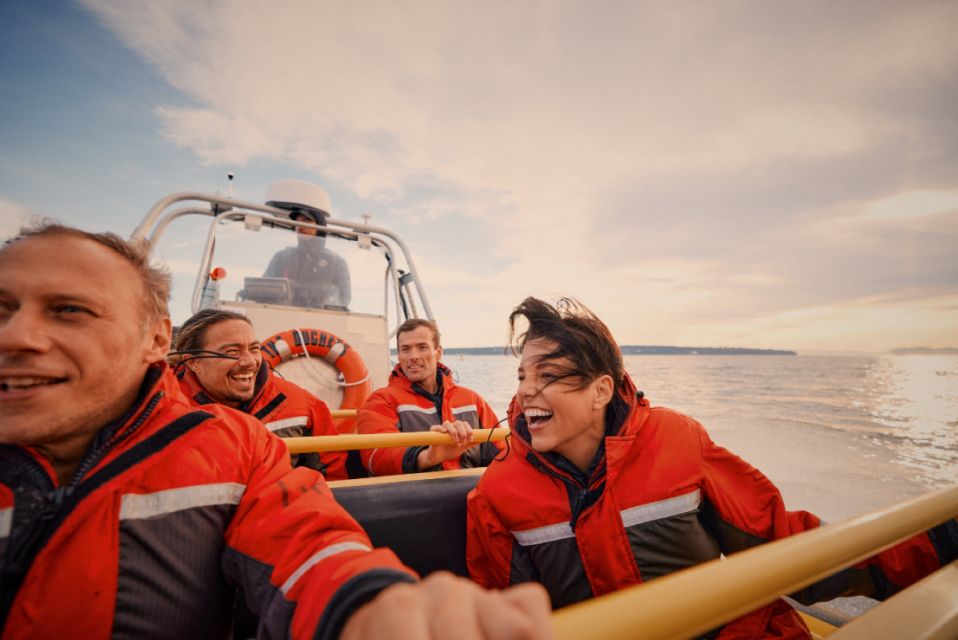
(756, 174)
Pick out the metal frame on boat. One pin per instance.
(367, 333)
(254, 215)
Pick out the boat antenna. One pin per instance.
(229, 176)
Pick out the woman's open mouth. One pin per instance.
(536, 418)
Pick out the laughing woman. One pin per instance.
(602, 491)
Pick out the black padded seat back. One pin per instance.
(422, 521)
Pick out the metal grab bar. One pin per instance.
(353, 441)
(695, 600)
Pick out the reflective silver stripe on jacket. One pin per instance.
(369, 464)
(465, 409)
(630, 517)
(548, 533)
(319, 557)
(413, 407)
(286, 423)
(662, 509)
(137, 506)
(6, 522)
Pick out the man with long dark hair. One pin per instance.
(219, 361)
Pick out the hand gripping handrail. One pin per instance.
(353, 441)
(693, 601)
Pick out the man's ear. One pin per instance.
(604, 389)
(438, 353)
(157, 341)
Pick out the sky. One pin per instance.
(767, 174)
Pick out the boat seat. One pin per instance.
(422, 520)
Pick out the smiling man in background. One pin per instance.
(127, 512)
(421, 396)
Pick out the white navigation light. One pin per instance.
(298, 195)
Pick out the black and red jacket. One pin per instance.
(406, 407)
(660, 496)
(173, 512)
(287, 410)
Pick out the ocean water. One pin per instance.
(838, 435)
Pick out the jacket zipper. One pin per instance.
(573, 487)
(36, 469)
(94, 457)
(54, 496)
(21, 549)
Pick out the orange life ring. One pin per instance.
(295, 343)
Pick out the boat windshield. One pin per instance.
(280, 267)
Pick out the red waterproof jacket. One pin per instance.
(404, 406)
(287, 410)
(172, 510)
(660, 497)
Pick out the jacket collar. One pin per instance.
(197, 393)
(154, 381)
(157, 383)
(445, 376)
(263, 379)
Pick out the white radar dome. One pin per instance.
(298, 194)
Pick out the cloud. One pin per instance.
(710, 163)
(913, 204)
(516, 96)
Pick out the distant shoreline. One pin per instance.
(666, 350)
(639, 350)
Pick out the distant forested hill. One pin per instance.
(945, 351)
(641, 350)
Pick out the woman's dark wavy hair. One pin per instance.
(577, 334)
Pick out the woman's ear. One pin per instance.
(604, 388)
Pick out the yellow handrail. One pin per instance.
(926, 610)
(352, 441)
(343, 413)
(693, 601)
(422, 476)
